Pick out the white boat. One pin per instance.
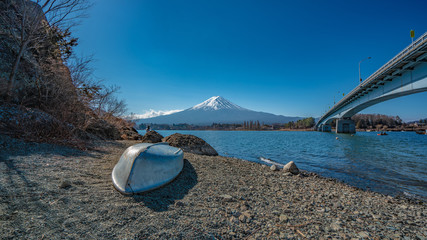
(147, 166)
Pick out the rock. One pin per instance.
(179, 204)
(273, 167)
(288, 174)
(65, 184)
(335, 227)
(102, 129)
(234, 220)
(129, 133)
(364, 234)
(243, 218)
(283, 218)
(191, 144)
(291, 167)
(152, 137)
(243, 207)
(226, 198)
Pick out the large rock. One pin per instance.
(103, 129)
(129, 133)
(32, 124)
(190, 143)
(152, 137)
(291, 167)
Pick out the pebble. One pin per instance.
(291, 167)
(234, 220)
(65, 184)
(243, 218)
(226, 198)
(363, 234)
(335, 227)
(273, 167)
(283, 218)
(197, 205)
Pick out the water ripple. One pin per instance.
(390, 164)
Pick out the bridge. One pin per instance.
(404, 74)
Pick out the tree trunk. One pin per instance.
(12, 74)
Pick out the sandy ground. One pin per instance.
(55, 192)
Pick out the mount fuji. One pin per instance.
(216, 110)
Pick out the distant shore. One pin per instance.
(296, 130)
(49, 191)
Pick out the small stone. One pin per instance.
(288, 174)
(273, 167)
(179, 204)
(335, 227)
(247, 214)
(275, 212)
(65, 184)
(234, 220)
(283, 218)
(291, 167)
(243, 207)
(243, 218)
(363, 234)
(226, 198)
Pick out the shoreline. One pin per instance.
(53, 191)
(285, 130)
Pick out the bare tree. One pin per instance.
(106, 103)
(25, 21)
(92, 92)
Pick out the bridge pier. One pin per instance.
(325, 128)
(345, 126)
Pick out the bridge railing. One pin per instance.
(420, 41)
(405, 52)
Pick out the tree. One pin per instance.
(29, 22)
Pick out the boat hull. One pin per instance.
(146, 166)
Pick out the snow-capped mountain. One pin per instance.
(216, 103)
(217, 110)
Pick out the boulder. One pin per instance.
(291, 167)
(103, 129)
(129, 133)
(191, 144)
(152, 137)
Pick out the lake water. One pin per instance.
(392, 164)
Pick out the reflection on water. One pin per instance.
(391, 164)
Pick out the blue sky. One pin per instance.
(283, 57)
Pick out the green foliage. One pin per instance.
(301, 124)
(372, 120)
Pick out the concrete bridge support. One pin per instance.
(345, 126)
(325, 128)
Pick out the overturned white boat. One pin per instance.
(146, 166)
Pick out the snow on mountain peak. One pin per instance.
(216, 103)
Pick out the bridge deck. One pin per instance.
(403, 61)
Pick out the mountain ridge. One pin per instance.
(216, 110)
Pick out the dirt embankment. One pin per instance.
(52, 192)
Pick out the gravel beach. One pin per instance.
(55, 192)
